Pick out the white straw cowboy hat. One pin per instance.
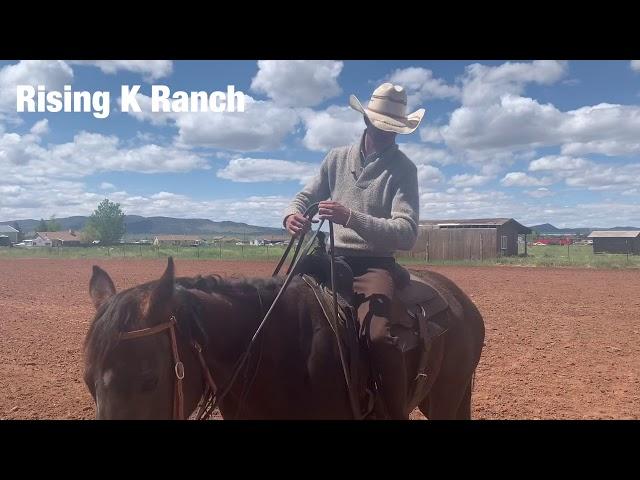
(387, 109)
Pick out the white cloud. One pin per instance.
(541, 192)
(107, 186)
(23, 157)
(605, 177)
(429, 176)
(333, 127)
(485, 84)
(53, 74)
(149, 69)
(581, 173)
(40, 128)
(635, 65)
(556, 163)
(455, 203)
(263, 125)
(421, 85)
(267, 170)
(431, 134)
(421, 154)
(469, 180)
(521, 179)
(298, 83)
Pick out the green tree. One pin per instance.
(89, 233)
(53, 225)
(42, 226)
(107, 221)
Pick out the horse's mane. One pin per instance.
(124, 311)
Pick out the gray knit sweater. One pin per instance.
(383, 198)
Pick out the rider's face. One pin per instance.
(378, 136)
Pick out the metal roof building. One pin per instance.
(616, 241)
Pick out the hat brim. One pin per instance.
(385, 122)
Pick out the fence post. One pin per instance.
(627, 244)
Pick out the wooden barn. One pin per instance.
(469, 239)
(616, 241)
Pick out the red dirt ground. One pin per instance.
(560, 343)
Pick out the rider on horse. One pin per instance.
(370, 191)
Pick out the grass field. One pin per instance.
(542, 256)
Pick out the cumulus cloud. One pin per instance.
(333, 127)
(21, 156)
(263, 125)
(429, 176)
(40, 128)
(521, 179)
(581, 173)
(149, 69)
(486, 84)
(298, 83)
(541, 192)
(469, 180)
(556, 163)
(53, 74)
(421, 85)
(107, 186)
(251, 170)
(421, 154)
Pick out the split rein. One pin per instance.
(210, 397)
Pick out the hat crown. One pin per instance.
(389, 99)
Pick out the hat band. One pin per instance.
(397, 117)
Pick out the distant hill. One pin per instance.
(548, 229)
(137, 225)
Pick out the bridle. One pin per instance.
(208, 400)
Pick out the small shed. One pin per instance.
(616, 241)
(469, 239)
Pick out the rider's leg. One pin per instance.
(377, 287)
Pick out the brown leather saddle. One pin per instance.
(419, 316)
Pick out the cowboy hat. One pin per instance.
(387, 109)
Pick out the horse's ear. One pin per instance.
(100, 286)
(162, 294)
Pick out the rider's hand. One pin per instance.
(297, 224)
(337, 213)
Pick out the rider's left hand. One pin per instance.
(334, 211)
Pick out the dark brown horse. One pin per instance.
(292, 372)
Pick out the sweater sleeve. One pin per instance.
(316, 190)
(399, 232)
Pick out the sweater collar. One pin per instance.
(358, 156)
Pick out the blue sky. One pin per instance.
(540, 141)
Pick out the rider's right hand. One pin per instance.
(297, 224)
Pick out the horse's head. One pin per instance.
(133, 378)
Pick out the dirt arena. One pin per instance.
(560, 343)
